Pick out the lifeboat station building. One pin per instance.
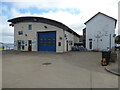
(42, 34)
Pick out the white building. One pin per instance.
(100, 32)
(42, 34)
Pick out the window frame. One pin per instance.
(29, 27)
(20, 32)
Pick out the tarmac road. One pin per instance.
(67, 70)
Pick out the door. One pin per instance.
(30, 45)
(47, 41)
(90, 45)
(67, 46)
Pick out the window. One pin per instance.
(70, 42)
(30, 27)
(19, 44)
(90, 39)
(20, 32)
(59, 43)
(23, 45)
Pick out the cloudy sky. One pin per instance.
(72, 13)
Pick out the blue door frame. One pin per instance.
(47, 41)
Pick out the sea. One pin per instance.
(7, 46)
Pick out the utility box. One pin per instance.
(105, 58)
(113, 57)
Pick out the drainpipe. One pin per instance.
(110, 42)
(97, 44)
(63, 40)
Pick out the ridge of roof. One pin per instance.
(102, 14)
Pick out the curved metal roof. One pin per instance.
(41, 20)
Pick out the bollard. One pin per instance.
(105, 58)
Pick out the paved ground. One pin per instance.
(67, 70)
(0, 70)
(114, 68)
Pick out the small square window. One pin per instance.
(70, 42)
(20, 32)
(30, 27)
(90, 39)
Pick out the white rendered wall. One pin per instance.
(119, 18)
(32, 34)
(39, 27)
(69, 37)
(103, 26)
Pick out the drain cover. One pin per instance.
(46, 63)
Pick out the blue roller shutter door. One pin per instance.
(47, 41)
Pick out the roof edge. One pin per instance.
(102, 14)
(27, 17)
